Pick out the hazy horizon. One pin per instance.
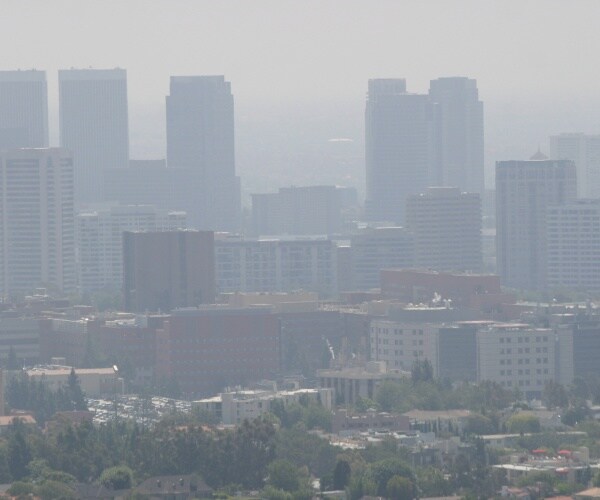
(299, 70)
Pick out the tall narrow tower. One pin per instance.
(200, 137)
(459, 158)
(399, 147)
(23, 109)
(94, 126)
(37, 221)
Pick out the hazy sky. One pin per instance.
(280, 53)
(279, 49)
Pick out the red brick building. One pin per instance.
(209, 348)
(480, 291)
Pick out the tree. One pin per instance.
(12, 362)
(400, 488)
(51, 490)
(479, 424)
(75, 393)
(555, 395)
(522, 423)
(432, 483)
(19, 452)
(341, 475)
(117, 478)
(284, 475)
(422, 371)
(381, 472)
(389, 395)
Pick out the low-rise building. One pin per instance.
(346, 423)
(93, 381)
(232, 408)
(353, 383)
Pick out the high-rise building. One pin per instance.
(100, 240)
(374, 249)
(200, 137)
(573, 245)
(168, 270)
(23, 109)
(94, 126)
(276, 265)
(399, 148)
(459, 158)
(524, 191)
(516, 356)
(584, 150)
(308, 210)
(446, 226)
(37, 221)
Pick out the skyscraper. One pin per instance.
(524, 191)
(459, 134)
(200, 137)
(399, 147)
(23, 109)
(37, 241)
(584, 150)
(94, 126)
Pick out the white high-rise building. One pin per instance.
(584, 150)
(399, 133)
(573, 241)
(516, 356)
(37, 223)
(524, 191)
(200, 137)
(100, 240)
(23, 109)
(446, 224)
(401, 344)
(459, 158)
(94, 126)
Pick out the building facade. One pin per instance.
(276, 265)
(209, 348)
(573, 246)
(399, 133)
(94, 125)
(309, 210)
(200, 137)
(100, 240)
(446, 226)
(584, 150)
(23, 109)
(374, 249)
(167, 270)
(402, 344)
(517, 356)
(459, 160)
(524, 191)
(37, 221)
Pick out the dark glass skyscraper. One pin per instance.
(200, 137)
